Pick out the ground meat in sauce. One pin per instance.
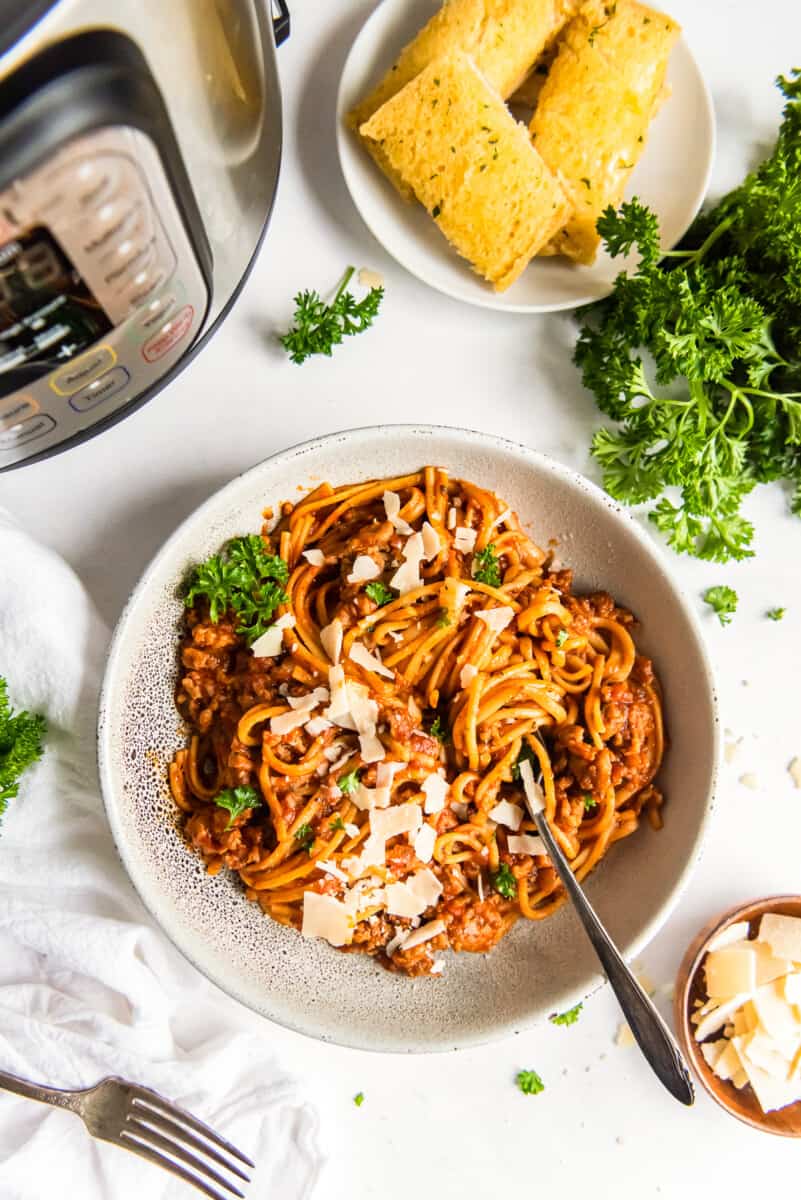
(477, 925)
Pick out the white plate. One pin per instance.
(671, 178)
(542, 966)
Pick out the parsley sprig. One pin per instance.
(317, 327)
(504, 882)
(566, 1018)
(529, 1083)
(237, 800)
(21, 737)
(723, 601)
(486, 568)
(245, 579)
(715, 408)
(378, 592)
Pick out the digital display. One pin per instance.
(47, 313)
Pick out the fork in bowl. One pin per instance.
(142, 1121)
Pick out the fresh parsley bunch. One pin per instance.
(318, 327)
(21, 737)
(244, 579)
(720, 318)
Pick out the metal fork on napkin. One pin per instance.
(142, 1121)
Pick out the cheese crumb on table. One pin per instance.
(795, 771)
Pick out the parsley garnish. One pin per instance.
(589, 801)
(304, 835)
(358, 1099)
(440, 730)
(529, 1083)
(21, 737)
(485, 567)
(317, 327)
(236, 800)
(348, 783)
(723, 600)
(443, 619)
(336, 824)
(504, 881)
(775, 614)
(561, 638)
(526, 755)
(245, 579)
(720, 317)
(378, 592)
(566, 1018)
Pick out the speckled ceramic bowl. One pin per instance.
(306, 985)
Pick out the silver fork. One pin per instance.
(142, 1121)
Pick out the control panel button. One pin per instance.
(16, 408)
(81, 371)
(144, 284)
(168, 335)
(108, 385)
(156, 311)
(26, 431)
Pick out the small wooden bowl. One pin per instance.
(740, 1102)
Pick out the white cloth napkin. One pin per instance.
(88, 987)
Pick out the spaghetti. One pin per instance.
(425, 647)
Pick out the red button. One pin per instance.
(169, 334)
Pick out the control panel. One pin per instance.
(100, 289)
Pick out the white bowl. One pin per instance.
(540, 967)
(671, 178)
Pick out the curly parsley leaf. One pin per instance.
(358, 1099)
(526, 755)
(529, 1083)
(566, 1018)
(378, 592)
(237, 800)
(21, 736)
(561, 638)
(775, 614)
(439, 729)
(723, 601)
(317, 327)
(504, 881)
(304, 836)
(485, 567)
(589, 801)
(245, 579)
(718, 321)
(349, 783)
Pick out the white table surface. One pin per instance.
(452, 1125)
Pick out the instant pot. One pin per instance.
(139, 151)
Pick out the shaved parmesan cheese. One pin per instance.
(624, 1037)
(464, 539)
(400, 818)
(435, 789)
(407, 576)
(508, 814)
(525, 843)
(730, 970)
(331, 640)
(437, 967)
(732, 933)
(351, 830)
(424, 934)
(318, 725)
(414, 895)
(768, 967)
(369, 278)
(535, 796)
(496, 619)
(392, 506)
(395, 941)
(331, 869)
(501, 517)
(385, 773)
(271, 642)
(713, 1050)
(424, 842)
(749, 780)
(371, 662)
(286, 722)
(309, 701)
(364, 568)
(480, 884)
(315, 557)
(714, 1020)
(792, 988)
(775, 1015)
(795, 771)
(729, 1062)
(363, 709)
(366, 798)
(371, 748)
(431, 542)
(325, 917)
(771, 1092)
(454, 593)
(338, 706)
(467, 675)
(453, 517)
(782, 934)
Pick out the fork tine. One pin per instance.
(145, 1114)
(176, 1113)
(153, 1138)
(136, 1147)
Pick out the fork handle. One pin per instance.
(36, 1091)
